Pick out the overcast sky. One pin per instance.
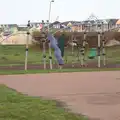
(20, 11)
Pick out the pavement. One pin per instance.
(94, 94)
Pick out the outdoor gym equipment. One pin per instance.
(26, 50)
(44, 47)
(78, 48)
(83, 50)
(99, 36)
(52, 44)
(93, 52)
(103, 49)
(27, 42)
(72, 40)
(44, 52)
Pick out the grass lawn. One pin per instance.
(12, 72)
(15, 55)
(16, 106)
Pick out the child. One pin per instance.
(57, 51)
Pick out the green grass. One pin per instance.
(16, 106)
(15, 55)
(12, 72)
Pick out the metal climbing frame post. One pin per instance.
(103, 49)
(50, 52)
(44, 54)
(99, 36)
(27, 43)
(83, 49)
(72, 39)
(44, 47)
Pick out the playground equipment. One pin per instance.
(73, 41)
(103, 49)
(44, 52)
(27, 47)
(92, 52)
(96, 52)
(28, 35)
(44, 49)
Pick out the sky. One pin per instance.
(20, 11)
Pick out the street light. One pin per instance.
(49, 13)
(50, 54)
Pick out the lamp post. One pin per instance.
(49, 13)
(50, 53)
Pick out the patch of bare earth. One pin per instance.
(95, 94)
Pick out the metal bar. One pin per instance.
(99, 49)
(27, 46)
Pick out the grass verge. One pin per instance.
(16, 106)
(10, 72)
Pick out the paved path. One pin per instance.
(96, 94)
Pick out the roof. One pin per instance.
(9, 25)
(54, 23)
(118, 22)
(69, 24)
(111, 21)
(72, 22)
(105, 21)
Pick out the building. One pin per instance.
(7, 29)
